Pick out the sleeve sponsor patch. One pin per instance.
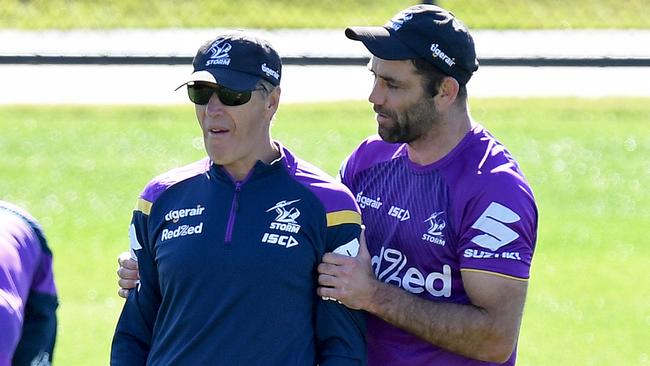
(492, 223)
(351, 249)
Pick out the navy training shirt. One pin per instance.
(228, 269)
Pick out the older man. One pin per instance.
(228, 247)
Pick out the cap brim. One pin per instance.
(235, 80)
(381, 43)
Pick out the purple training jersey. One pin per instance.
(27, 290)
(470, 211)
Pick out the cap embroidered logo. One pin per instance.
(399, 20)
(270, 72)
(436, 52)
(220, 54)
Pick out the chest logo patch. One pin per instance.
(286, 241)
(175, 215)
(434, 233)
(399, 213)
(365, 201)
(287, 215)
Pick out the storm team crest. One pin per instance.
(285, 214)
(434, 233)
(219, 53)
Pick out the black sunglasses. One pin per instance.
(201, 94)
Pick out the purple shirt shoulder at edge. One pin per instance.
(24, 267)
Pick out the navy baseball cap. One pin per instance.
(237, 61)
(423, 31)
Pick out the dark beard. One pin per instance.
(409, 125)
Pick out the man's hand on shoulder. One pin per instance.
(347, 279)
(127, 273)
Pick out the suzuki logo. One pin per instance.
(493, 223)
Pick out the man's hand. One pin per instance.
(349, 280)
(127, 273)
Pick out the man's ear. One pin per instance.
(273, 101)
(447, 93)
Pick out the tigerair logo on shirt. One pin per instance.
(365, 201)
(175, 215)
(285, 221)
(434, 233)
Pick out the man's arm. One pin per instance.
(28, 298)
(340, 331)
(36, 344)
(486, 329)
(132, 340)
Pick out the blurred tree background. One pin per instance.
(279, 14)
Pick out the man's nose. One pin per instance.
(215, 106)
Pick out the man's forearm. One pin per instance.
(464, 329)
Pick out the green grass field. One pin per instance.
(80, 169)
(478, 14)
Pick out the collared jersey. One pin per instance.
(28, 299)
(228, 269)
(470, 211)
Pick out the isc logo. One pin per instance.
(399, 213)
(283, 240)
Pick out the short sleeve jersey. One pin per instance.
(470, 211)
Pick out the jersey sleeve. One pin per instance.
(132, 339)
(28, 298)
(36, 344)
(344, 172)
(499, 229)
(340, 332)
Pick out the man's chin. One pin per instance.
(387, 136)
(395, 138)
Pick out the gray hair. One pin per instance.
(265, 86)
